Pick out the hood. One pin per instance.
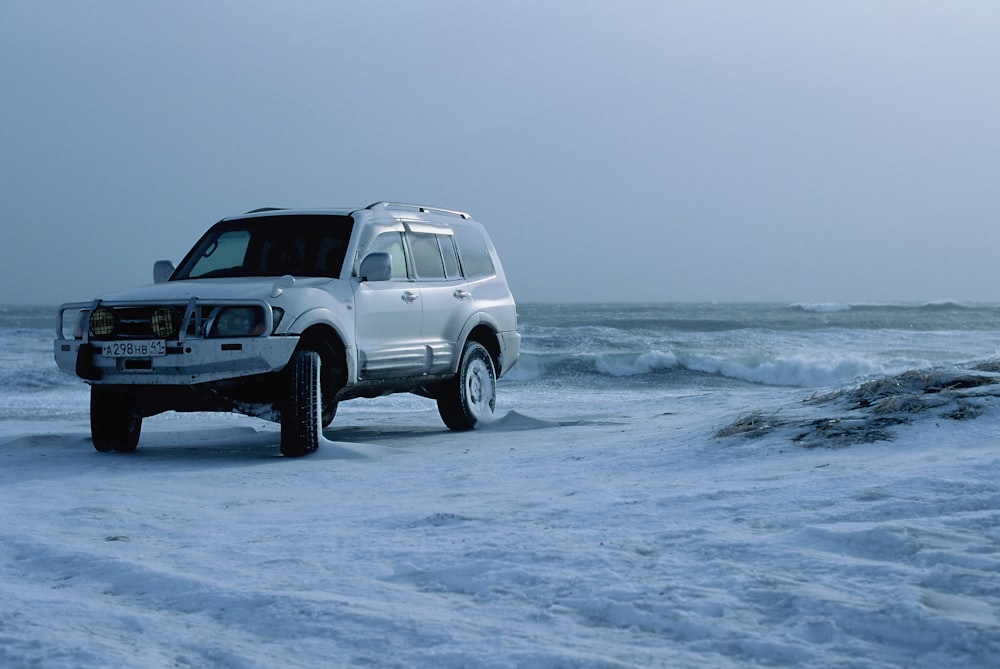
(208, 289)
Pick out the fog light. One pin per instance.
(103, 322)
(166, 322)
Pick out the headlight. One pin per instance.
(238, 322)
(165, 322)
(103, 322)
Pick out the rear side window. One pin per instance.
(450, 255)
(474, 253)
(426, 256)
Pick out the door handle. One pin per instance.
(410, 296)
(461, 294)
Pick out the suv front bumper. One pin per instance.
(185, 363)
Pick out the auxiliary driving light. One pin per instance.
(103, 322)
(166, 322)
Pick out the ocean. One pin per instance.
(699, 346)
(608, 353)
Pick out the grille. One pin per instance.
(194, 319)
(136, 322)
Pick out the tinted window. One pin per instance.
(475, 255)
(450, 255)
(426, 256)
(227, 252)
(302, 245)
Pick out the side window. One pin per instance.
(391, 243)
(426, 256)
(475, 255)
(450, 255)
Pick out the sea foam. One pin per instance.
(822, 307)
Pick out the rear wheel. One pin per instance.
(302, 414)
(113, 425)
(472, 395)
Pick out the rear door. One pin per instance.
(446, 298)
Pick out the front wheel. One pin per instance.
(302, 413)
(113, 425)
(329, 412)
(472, 395)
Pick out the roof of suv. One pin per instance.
(393, 206)
(281, 211)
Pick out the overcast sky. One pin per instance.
(628, 150)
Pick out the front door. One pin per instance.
(388, 319)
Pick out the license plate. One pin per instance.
(134, 349)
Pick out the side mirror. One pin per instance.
(162, 269)
(376, 267)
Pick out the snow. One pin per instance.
(616, 535)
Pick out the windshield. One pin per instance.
(300, 245)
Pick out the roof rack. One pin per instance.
(418, 207)
(260, 209)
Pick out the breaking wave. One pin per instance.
(932, 306)
(663, 366)
(823, 307)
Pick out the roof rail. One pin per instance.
(418, 207)
(260, 209)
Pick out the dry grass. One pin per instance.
(753, 424)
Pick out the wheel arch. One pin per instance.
(328, 342)
(320, 330)
(487, 336)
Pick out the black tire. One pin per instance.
(333, 376)
(302, 414)
(472, 395)
(329, 412)
(113, 424)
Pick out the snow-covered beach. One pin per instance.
(601, 521)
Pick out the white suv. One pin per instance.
(283, 313)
